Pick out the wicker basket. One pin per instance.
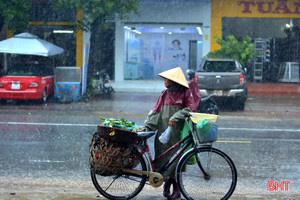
(120, 136)
(106, 157)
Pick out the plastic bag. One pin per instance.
(165, 136)
(185, 133)
(207, 131)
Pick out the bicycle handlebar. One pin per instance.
(188, 115)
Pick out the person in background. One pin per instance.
(194, 87)
(170, 110)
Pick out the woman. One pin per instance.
(194, 86)
(170, 110)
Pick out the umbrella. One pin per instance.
(29, 44)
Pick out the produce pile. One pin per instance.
(119, 123)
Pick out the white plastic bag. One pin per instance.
(165, 136)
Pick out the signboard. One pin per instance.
(68, 91)
(85, 68)
(275, 7)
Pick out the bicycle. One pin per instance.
(213, 176)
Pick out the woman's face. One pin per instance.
(167, 83)
(176, 44)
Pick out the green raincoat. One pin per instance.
(172, 105)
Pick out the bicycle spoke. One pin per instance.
(124, 186)
(213, 177)
(110, 184)
(132, 179)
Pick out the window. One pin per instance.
(219, 66)
(29, 70)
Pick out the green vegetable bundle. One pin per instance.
(118, 123)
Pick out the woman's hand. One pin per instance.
(172, 124)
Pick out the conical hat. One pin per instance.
(175, 75)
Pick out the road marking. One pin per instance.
(261, 129)
(247, 142)
(220, 141)
(46, 124)
(93, 125)
(47, 161)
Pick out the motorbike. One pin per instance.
(103, 83)
(208, 105)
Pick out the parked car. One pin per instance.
(27, 82)
(224, 78)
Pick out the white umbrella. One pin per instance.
(29, 44)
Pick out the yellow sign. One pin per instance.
(270, 7)
(256, 8)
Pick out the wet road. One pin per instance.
(44, 148)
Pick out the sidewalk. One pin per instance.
(273, 89)
(254, 88)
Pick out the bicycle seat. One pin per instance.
(145, 135)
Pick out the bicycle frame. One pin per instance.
(201, 166)
(187, 141)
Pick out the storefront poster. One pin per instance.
(134, 50)
(176, 52)
(85, 68)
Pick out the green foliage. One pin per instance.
(97, 11)
(96, 20)
(112, 122)
(91, 89)
(119, 123)
(234, 49)
(15, 13)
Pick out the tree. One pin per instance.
(234, 49)
(95, 20)
(15, 13)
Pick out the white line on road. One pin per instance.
(261, 129)
(45, 124)
(47, 161)
(94, 125)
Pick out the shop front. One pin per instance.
(152, 49)
(274, 26)
(165, 35)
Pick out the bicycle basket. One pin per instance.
(123, 137)
(206, 131)
(107, 158)
(197, 117)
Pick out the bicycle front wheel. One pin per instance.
(123, 186)
(214, 176)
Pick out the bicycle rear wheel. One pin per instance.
(124, 186)
(220, 179)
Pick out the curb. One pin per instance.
(254, 88)
(273, 89)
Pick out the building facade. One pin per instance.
(166, 34)
(172, 33)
